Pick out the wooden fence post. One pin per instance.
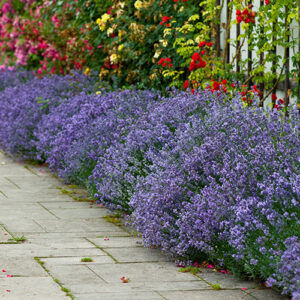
(287, 61)
(261, 59)
(218, 30)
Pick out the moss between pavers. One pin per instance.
(42, 264)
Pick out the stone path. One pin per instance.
(60, 231)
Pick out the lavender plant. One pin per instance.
(10, 78)
(128, 160)
(287, 276)
(85, 126)
(22, 107)
(226, 191)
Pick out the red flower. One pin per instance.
(186, 84)
(245, 12)
(166, 19)
(165, 62)
(201, 64)
(216, 86)
(201, 44)
(274, 97)
(224, 81)
(209, 44)
(196, 56)
(238, 12)
(267, 2)
(203, 52)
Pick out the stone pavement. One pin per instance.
(60, 231)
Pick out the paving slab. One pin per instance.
(30, 288)
(65, 204)
(45, 183)
(21, 266)
(227, 281)
(77, 275)
(118, 242)
(79, 213)
(31, 213)
(265, 294)
(137, 286)
(15, 223)
(12, 169)
(61, 242)
(76, 260)
(138, 254)
(5, 237)
(90, 235)
(79, 225)
(206, 295)
(137, 272)
(118, 296)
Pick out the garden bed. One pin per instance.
(201, 176)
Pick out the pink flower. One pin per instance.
(243, 289)
(210, 266)
(8, 275)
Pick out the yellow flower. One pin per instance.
(138, 4)
(109, 31)
(198, 39)
(114, 58)
(98, 92)
(157, 53)
(105, 18)
(167, 32)
(120, 48)
(164, 43)
(102, 27)
(87, 71)
(98, 21)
